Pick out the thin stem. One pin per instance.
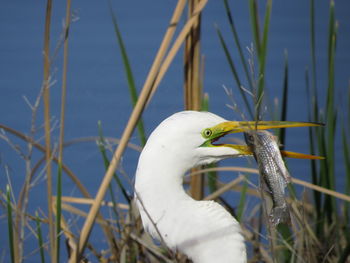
(47, 66)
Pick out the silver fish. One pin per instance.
(273, 171)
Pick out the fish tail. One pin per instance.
(280, 214)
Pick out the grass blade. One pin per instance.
(285, 253)
(234, 71)
(129, 74)
(59, 210)
(61, 135)
(101, 144)
(283, 117)
(9, 224)
(313, 113)
(313, 57)
(346, 153)
(192, 62)
(242, 199)
(262, 52)
(47, 125)
(192, 83)
(238, 45)
(330, 91)
(40, 238)
(345, 254)
(261, 48)
(254, 18)
(106, 163)
(330, 110)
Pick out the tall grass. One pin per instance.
(129, 74)
(193, 83)
(322, 143)
(40, 238)
(61, 136)
(10, 225)
(47, 116)
(320, 230)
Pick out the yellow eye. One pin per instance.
(207, 133)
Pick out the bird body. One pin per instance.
(203, 230)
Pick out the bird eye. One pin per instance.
(206, 133)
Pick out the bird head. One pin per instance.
(193, 136)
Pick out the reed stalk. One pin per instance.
(260, 41)
(10, 225)
(177, 44)
(317, 224)
(330, 109)
(135, 115)
(40, 238)
(61, 134)
(129, 74)
(192, 83)
(47, 118)
(239, 49)
(154, 71)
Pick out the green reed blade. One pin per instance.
(205, 102)
(234, 71)
(263, 49)
(285, 254)
(254, 18)
(102, 148)
(324, 179)
(58, 211)
(261, 46)
(346, 146)
(242, 201)
(330, 112)
(238, 45)
(314, 116)
(106, 163)
(283, 117)
(255, 24)
(40, 237)
(129, 74)
(344, 256)
(330, 109)
(346, 154)
(313, 57)
(114, 208)
(312, 111)
(9, 224)
(212, 179)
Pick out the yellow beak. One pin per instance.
(229, 127)
(241, 126)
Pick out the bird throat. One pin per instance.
(200, 229)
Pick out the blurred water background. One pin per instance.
(97, 89)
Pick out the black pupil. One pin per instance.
(207, 132)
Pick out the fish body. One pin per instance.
(272, 170)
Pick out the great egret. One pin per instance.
(203, 230)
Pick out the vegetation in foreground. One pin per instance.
(320, 229)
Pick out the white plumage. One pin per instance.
(203, 230)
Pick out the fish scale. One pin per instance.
(272, 170)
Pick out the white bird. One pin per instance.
(203, 230)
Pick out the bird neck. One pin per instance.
(203, 230)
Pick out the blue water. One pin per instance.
(97, 88)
